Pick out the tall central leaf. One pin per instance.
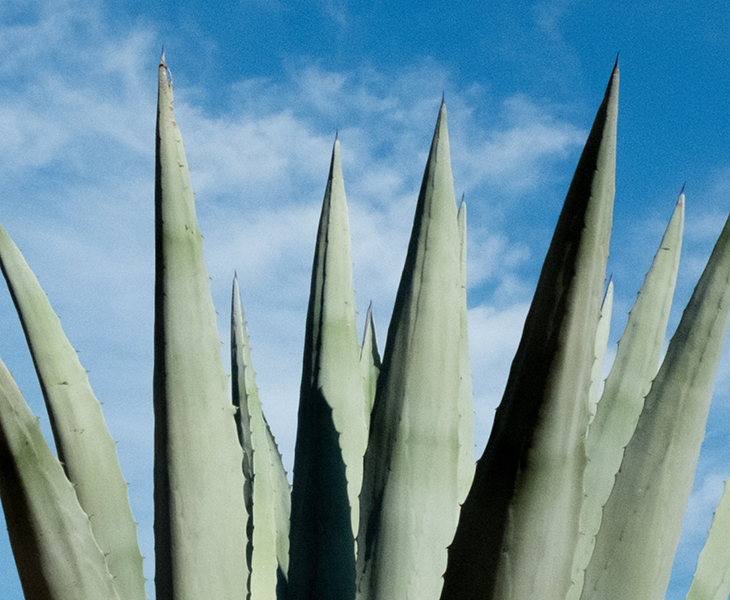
(200, 516)
(331, 430)
(409, 503)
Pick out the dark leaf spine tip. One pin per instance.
(682, 190)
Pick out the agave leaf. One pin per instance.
(712, 577)
(466, 411)
(626, 387)
(634, 548)
(519, 524)
(369, 362)
(200, 515)
(409, 502)
(84, 445)
(282, 512)
(55, 550)
(602, 333)
(263, 468)
(331, 430)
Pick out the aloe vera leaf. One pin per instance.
(263, 468)
(519, 524)
(200, 515)
(627, 385)
(466, 410)
(55, 551)
(331, 430)
(369, 362)
(712, 577)
(85, 448)
(642, 519)
(409, 502)
(602, 333)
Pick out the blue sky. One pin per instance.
(261, 88)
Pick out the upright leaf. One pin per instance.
(635, 546)
(55, 550)
(331, 430)
(85, 448)
(466, 410)
(263, 468)
(200, 516)
(519, 524)
(712, 577)
(602, 333)
(409, 502)
(627, 385)
(369, 362)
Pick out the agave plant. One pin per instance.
(578, 495)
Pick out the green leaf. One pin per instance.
(55, 550)
(84, 446)
(635, 546)
(519, 524)
(712, 578)
(369, 362)
(331, 430)
(466, 410)
(409, 502)
(268, 546)
(627, 385)
(200, 516)
(602, 333)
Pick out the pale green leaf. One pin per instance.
(519, 524)
(200, 515)
(84, 446)
(331, 428)
(409, 503)
(55, 550)
(642, 519)
(627, 385)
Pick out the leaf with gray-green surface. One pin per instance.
(712, 577)
(627, 384)
(262, 467)
(602, 333)
(642, 519)
(55, 551)
(519, 524)
(369, 362)
(466, 410)
(85, 448)
(331, 428)
(409, 502)
(200, 515)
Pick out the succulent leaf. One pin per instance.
(263, 467)
(602, 333)
(85, 448)
(200, 515)
(466, 410)
(519, 524)
(331, 429)
(369, 362)
(627, 385)
(56, 553)
(635, 547)
(409, 502)
(712, 577)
